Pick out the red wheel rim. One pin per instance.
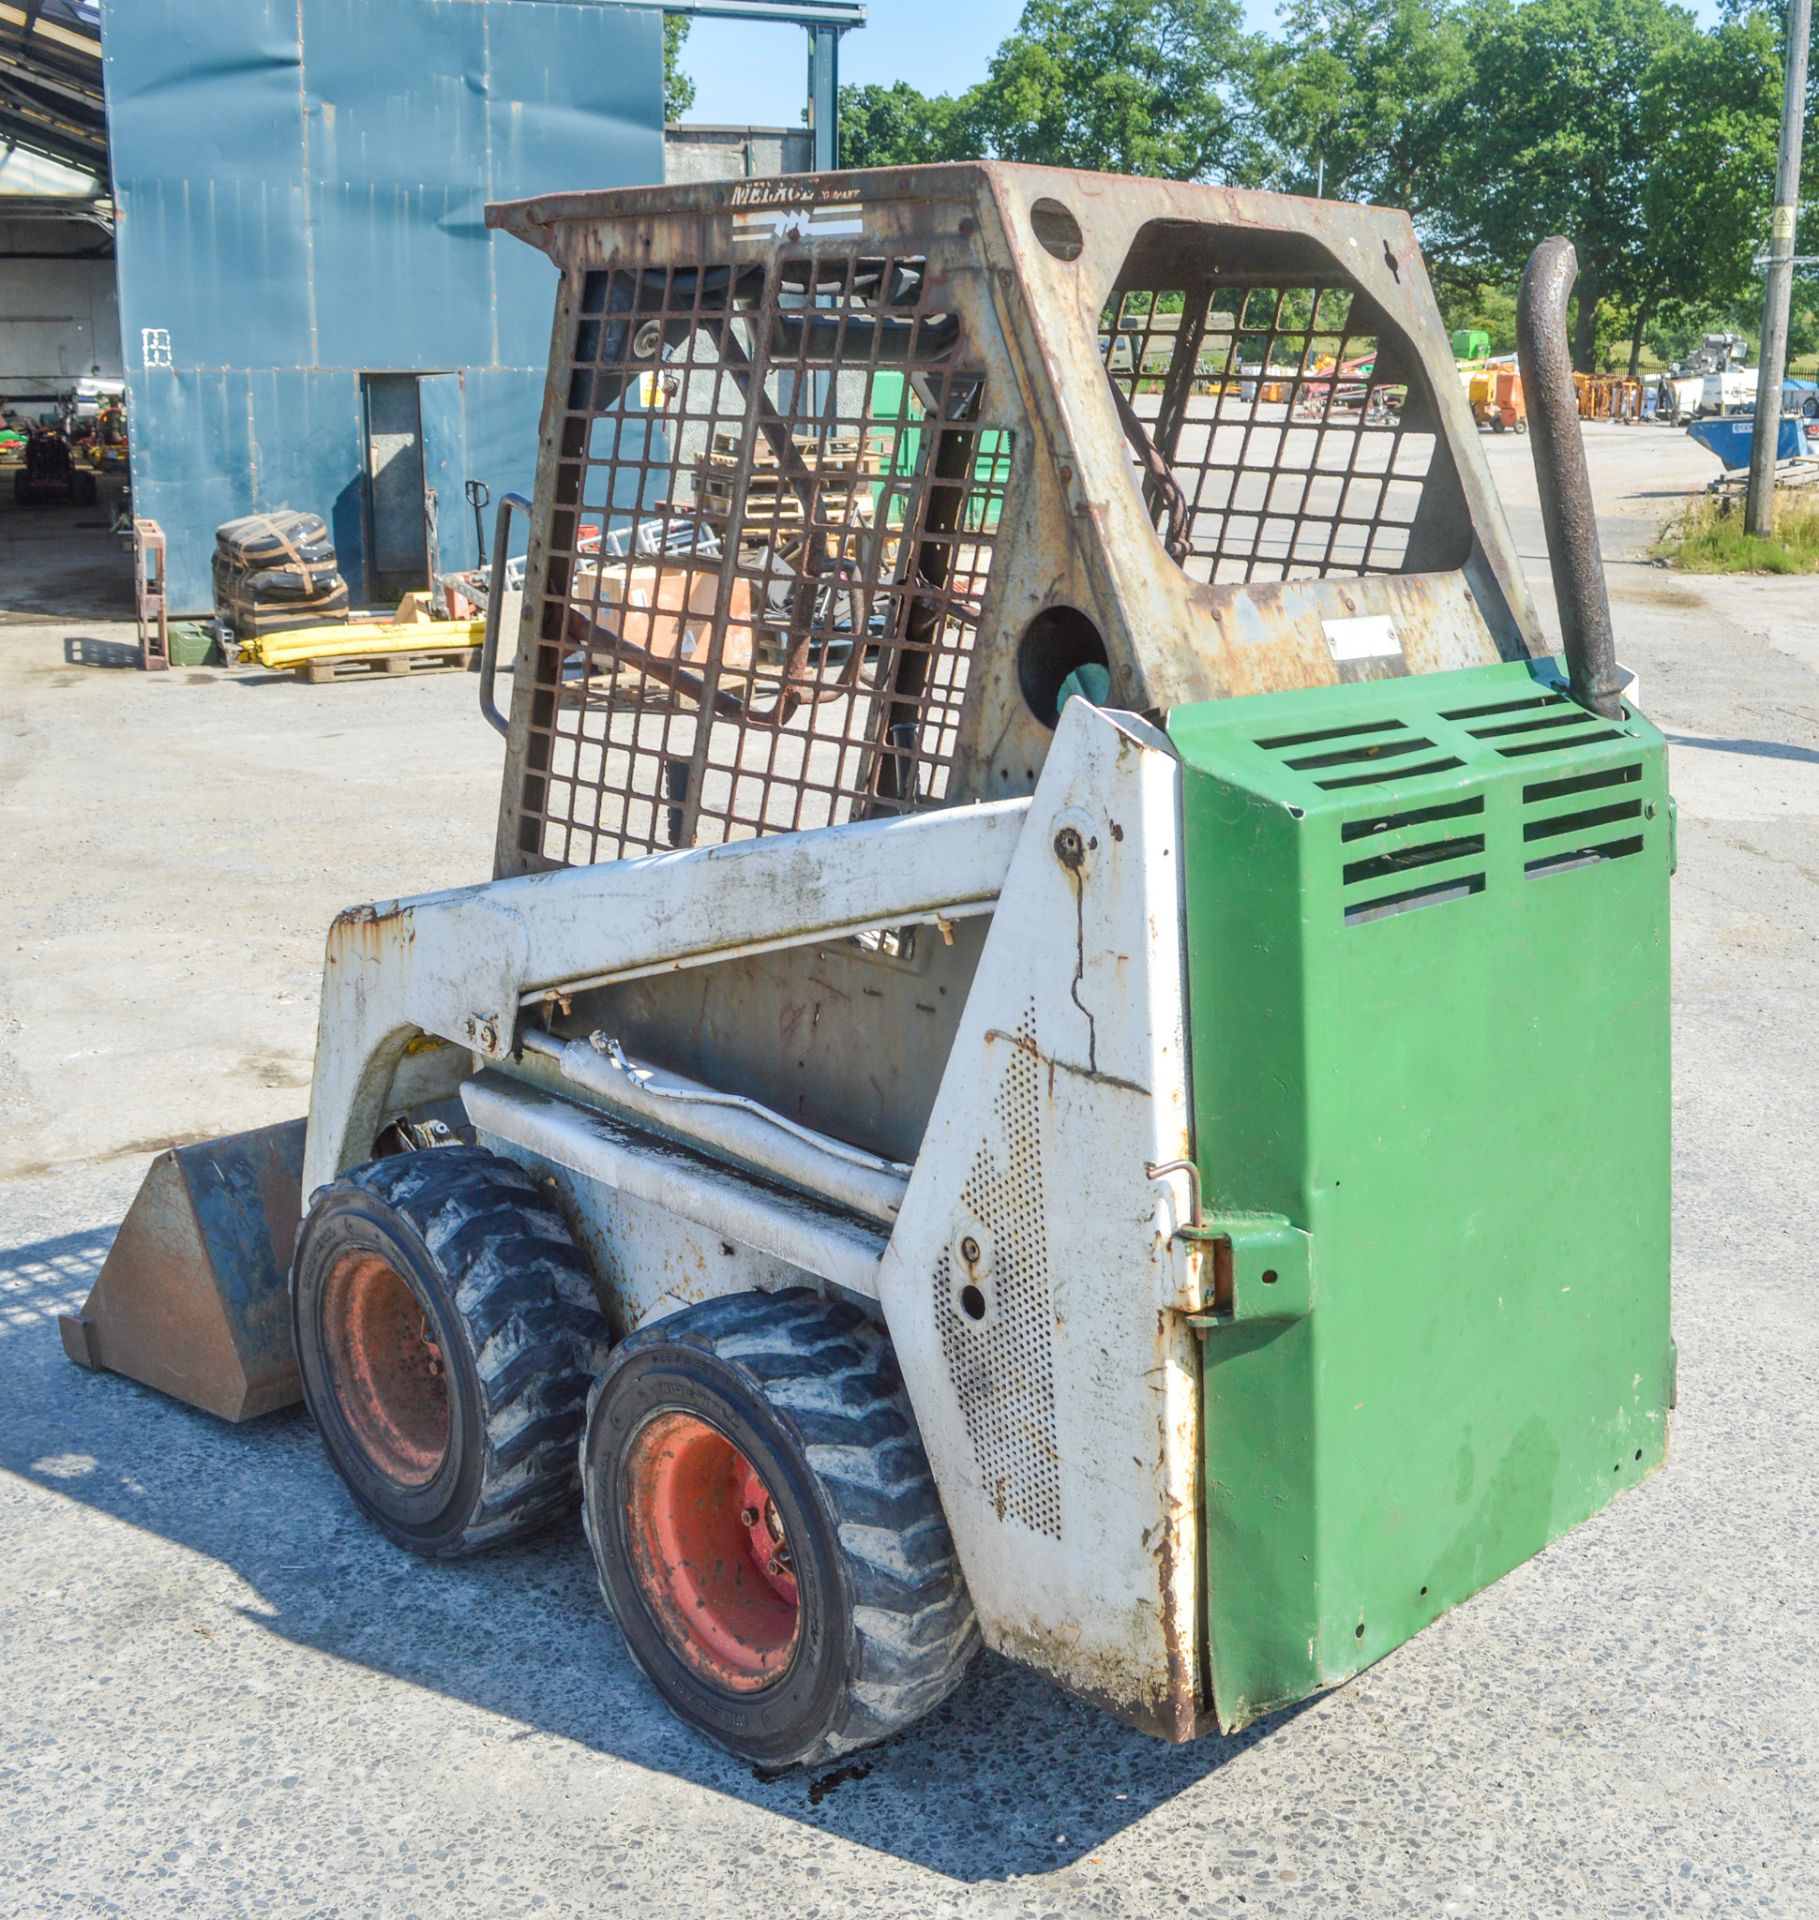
(386, 1368)
(710, 1552)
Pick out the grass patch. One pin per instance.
(1709, 537)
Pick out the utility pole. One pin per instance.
(1759, 507)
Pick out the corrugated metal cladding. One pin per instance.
(301, 185)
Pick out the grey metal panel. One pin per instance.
(441, 416)
(205, 437)
(205, 124)
(500, 411)
(301, 192)
(398, 160)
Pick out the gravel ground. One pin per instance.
(223, 1694)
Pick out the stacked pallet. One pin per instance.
(275, 572)
(774, 517)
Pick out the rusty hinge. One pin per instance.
(1263, 1267)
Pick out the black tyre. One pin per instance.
(447, 1335)
(767, 1530)
(22, 488)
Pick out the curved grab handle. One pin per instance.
(495, 599)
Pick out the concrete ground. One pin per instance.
(222, 1694)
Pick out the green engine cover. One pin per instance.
(1428, 989)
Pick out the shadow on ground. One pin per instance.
(79, 650)
(522, 1632)
(1753, 749)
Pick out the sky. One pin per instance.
(757, 75)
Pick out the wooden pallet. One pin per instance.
(354, 666)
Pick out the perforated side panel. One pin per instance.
(995, 1310)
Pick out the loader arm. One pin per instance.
(458, 966)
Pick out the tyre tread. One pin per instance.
(827, 1370)
(525, 1299)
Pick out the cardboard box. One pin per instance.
(664, 609)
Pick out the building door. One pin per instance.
(448, 518)
(399, 556)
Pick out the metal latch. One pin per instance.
(1263, 1268)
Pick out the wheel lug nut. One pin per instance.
(748, 1516)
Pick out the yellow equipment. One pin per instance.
(300, 646)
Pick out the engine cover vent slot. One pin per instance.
(1413, 817)
(1437, 895)
(1568, 823)
(1412, 843)
(1566, 861)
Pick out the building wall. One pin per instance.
(301, 188)
(58, 318)
(736, 153)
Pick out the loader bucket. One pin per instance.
(193, 1297)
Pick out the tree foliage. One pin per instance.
(678, 88)
(896, 126)
(1360, 97)
(1647, 139)
(1121, 86)
(1711, 126)
(1552, 138)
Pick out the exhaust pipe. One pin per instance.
(1566, 489)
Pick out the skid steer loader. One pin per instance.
(1068, 1043)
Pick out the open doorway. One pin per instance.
(400, 540)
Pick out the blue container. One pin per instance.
(1729, 438)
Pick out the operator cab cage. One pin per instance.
(846, 482)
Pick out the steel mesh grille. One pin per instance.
(1002, 1363)
(1292, 458)
(775, 504)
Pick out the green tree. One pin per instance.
(896, 126)
(678, 88)
(1553, 136)
(1711, 120)
(1122, 86)
(1366, 94)
(1489, 306)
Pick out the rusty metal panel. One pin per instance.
(192, 1298)
(1194, 507)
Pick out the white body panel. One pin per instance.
(457, 966)
(1063, 1425)
(1732, 391)
(1033, 1284)
(1686, 391)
